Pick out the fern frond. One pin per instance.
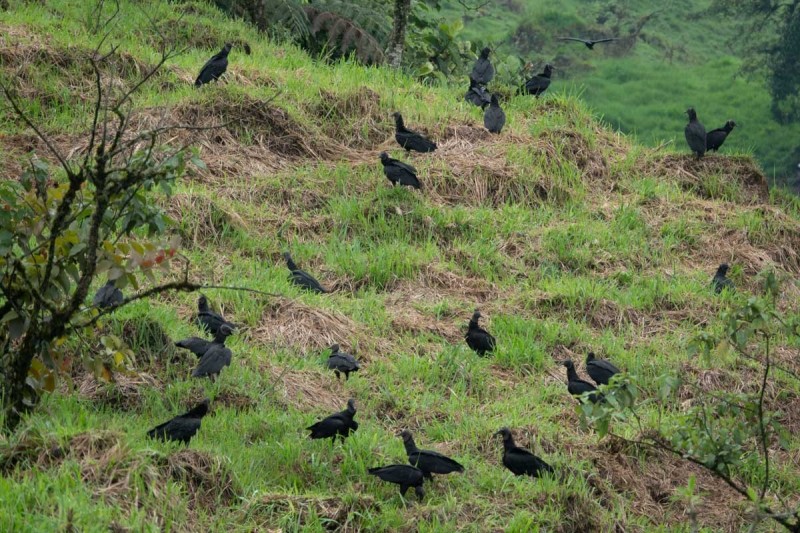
(267, 15)
(344, 34)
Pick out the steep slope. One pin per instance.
(567, 236)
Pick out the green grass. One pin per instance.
(561, 255)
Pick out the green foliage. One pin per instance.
(768, 36)
(784, 81)
(45, 263)
(436, 48)
(61, 228)
(726, 432)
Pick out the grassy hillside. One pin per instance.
(681, 58)
(569, 238)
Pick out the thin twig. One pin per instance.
(762, 431)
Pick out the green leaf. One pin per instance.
(196, 161)
(78, 248)
(17, 327)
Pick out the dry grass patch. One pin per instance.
(23, 58)
(206, 478)
(286, 322)
(235, 400)
(337, 514)
(406, 319)
(434, 283)
(689, 172)
(470, 170)
(574, 148)
(243, 138)
(650, 483)
(125, 392)
(126, 478)
(356, 119)
(307, 391)
(19, 147)
(204, 220)
(30, 451)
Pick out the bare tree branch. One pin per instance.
(474, 8)
(28, 122)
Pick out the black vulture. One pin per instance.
(483, 71)
(301, 278)
(519, 460)
(695, 134)
(588, 42)
(576, 386)
(338, 424)
(217, 357)
(599, 370)
(478, 338)
(199, 346)
(107, 296)
(494, 118)
(342, 362)
(429, 461)
(538, 84)
(399, 172)
(208, 319)
(477, 95)
(214, 67)
(410, 140)
(721, 280)
(715, 138)
(404, 475)
(183, 427)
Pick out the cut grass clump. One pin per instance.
(292, 512)
(474, 172)
(202, 220)
(206, 479)
(730, 178)
(303, 327)
(240, 136)
(48, 77)
(356, 119)
(651, 479)
(125, 477)
(146, 337)
(124, 392)
(576, 150)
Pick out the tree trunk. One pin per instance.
(397, 42)
(17, 362)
